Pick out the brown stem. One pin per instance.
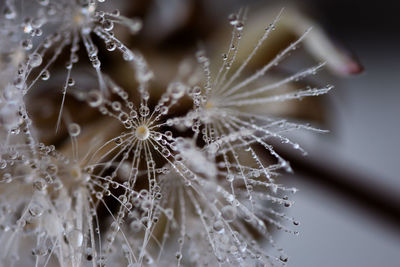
(346, 183)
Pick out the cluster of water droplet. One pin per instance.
(168, 198)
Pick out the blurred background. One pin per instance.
(341, 226)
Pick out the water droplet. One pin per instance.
(177, 90)
(116, 12)
(71, 82)
(283, 258)
(3, 164)
(164, 110)
(96, 63)
(239, 26)
(233, 19)
(75, 238)
(94, 98)
(229, 213)
(213, 148)
(9, 13)
(157, 136)
(39, 185)
(111, 46)
(122, 198)
(6, 178)
(68, 65)
(218, 226)
(35, 60)
(45, 75)
(144, 111)
(27, 44)
(230, 177)
(178, 255)
(74, 129)
(116, 106)
(166, 152)
(107, 25)
(123, 117)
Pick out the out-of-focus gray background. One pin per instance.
(334, 230)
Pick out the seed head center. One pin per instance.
(81, 15)
(142, 132)
(78, 18)
(209, 105)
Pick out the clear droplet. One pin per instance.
(94, 98)
(229, 213)
(45, 75)
(9, 13)
(75, 238)
(74, 129)
(218, 226)
(27, 44)
(35, 60)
